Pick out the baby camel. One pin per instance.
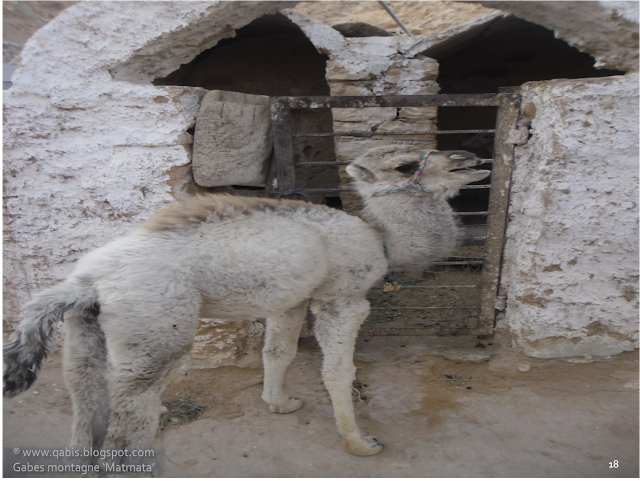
(130, 308)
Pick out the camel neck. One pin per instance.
(417, 230)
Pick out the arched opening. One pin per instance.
(271, 56)
(509, 53)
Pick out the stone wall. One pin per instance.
(373, 66)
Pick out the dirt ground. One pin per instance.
(442, 407)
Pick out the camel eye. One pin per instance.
(407, 168)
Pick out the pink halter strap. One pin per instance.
(414, 180)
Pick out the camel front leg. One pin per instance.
(336, 327)
(280, 347)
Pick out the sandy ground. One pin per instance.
(438, 414)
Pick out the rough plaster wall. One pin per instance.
(571, 257)
(607, 30)
(86, 155)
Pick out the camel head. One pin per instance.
(396, 168)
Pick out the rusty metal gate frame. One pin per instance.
(507, 102)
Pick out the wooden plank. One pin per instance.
(509, 104)
(282, 145)
(232, 141)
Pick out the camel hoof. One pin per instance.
(367, 447)
(292, 405)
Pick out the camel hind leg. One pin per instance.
(135, 385)
(280, 347)
(84, 369)
(145, 346)
(336, 328)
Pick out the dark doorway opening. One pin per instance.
(509, 53)
(271, 56)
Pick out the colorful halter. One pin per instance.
(414, 180)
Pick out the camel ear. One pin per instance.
(360, 173)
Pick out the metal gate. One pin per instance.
(475, 317)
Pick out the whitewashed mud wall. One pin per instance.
(571, 259)
(90, 146)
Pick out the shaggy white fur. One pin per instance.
(417, 223)
(131, 307)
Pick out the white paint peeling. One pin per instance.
(626, 9)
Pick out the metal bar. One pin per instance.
(472, 213)
(282, 144)
(471, 286)
(407, 132)
(329, 189)
(421, 308)
(395, 17)
(337, 162)
(509, 104)
(366, 331)
(459, 263)
(360, 101)
(351, 189)
(346, 162)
